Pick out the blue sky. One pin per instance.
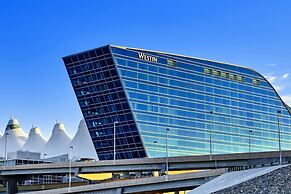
(35, 35)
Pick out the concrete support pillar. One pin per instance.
(11, 186)
(118, 191)
(138, 174)
(163, 169)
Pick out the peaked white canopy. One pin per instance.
(35, 141)
(15, 137)
(58, 142)
(82, 145)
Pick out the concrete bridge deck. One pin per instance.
(12, 174)
(161, 183)
(151, 164)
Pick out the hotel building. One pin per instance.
(162, 102)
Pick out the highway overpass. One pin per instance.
(177, 182)
(12, 174)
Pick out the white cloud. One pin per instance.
(285, 76)
(287, 99)
(278, 88)
(272, 64)
(281, 85)
(271, 78)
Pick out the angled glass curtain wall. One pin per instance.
(103, 101)
(148, 92)
(195, 97)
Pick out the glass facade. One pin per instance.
(207, 106)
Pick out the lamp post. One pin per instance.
(167, 155)
(43, 176)
(70, 167)
(114, 140)
(210, 135)
(155, 143)
(250, 132)
(5, 146)
(279, 135)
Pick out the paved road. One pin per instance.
(180, 181)
(175, 163)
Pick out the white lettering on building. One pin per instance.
(146, 57)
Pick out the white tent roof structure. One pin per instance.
(35, 141)
(82, 145)
(15, 138)
(58, 142)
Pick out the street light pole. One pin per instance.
(250, 132)
(70, 167)
(279, 135)
(43, 176)
(167, 155)
(5, 147)
(210, 135)
(155, 143)
(114, 140)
